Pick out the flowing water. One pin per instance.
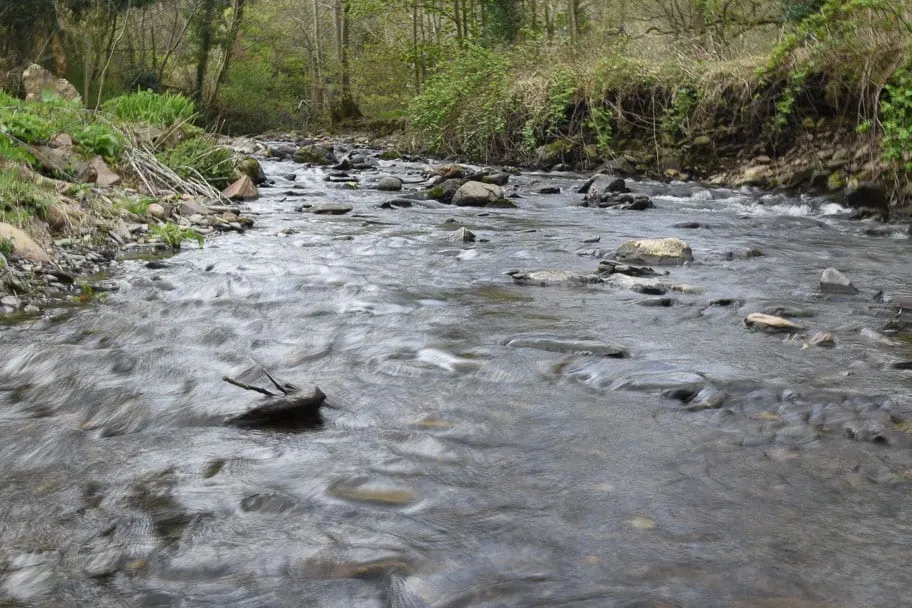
(452, 469)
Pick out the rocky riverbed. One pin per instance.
(538, 397)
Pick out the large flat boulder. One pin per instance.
(39, 83)
(241, 190)
(23, 245)
(102, 173)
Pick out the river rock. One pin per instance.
(609, 267)
(283, 150)
(389, 184)
(315, 154)
(102, 174)
(770, 323)
(191, 207)
(602, 187)
(241, 190)
(61, 215)
(545, 278)
(463, 235)
(868, 199)
(660, 382)
(822, 338)
(556, 344)
(708, 398)
(331, 209)
(477, 194)
(498, 179)
(39, 84)
(57, 160)
(368, 490)
(644, 285)
(23, 245)
(251, 168)
(667, 251)
(397, 203)
(621, 201)
(154, 210)
(833, 281)
(445, 190)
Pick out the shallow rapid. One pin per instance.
(452, 468)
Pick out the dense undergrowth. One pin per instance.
(846, 65)
(159, 124)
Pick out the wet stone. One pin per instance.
(822, 338)
(670, 251)
(834, 282)
(545, 278)
(268, 503)
(331, 209)
(770, 323)
(658, 303)
(462, 235)
(389, 184)
(658, 382)
(558, 344)
(861, 430)
(374, 491)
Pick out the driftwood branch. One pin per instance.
(284, 388)
(248, 387)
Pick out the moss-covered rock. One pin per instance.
(251, 168)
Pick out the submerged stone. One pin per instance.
(569, 345)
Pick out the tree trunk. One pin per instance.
(205, 46)
(345, 108)
(234, 30)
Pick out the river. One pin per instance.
(453, 469)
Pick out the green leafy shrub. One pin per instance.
(11, 150)
(785, 106)
(464, 106)
(100, 139)
(677, 115)
(146, 106)
(25, 126)
(896, 118)
(136, 204)
(200, 157)
(547, 118)
(173, 235)
(599, 122)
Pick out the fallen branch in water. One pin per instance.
(294, 407)
(248, 387)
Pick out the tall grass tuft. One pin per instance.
(157, 110)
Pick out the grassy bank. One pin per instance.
(839, 78)
(51, 149)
